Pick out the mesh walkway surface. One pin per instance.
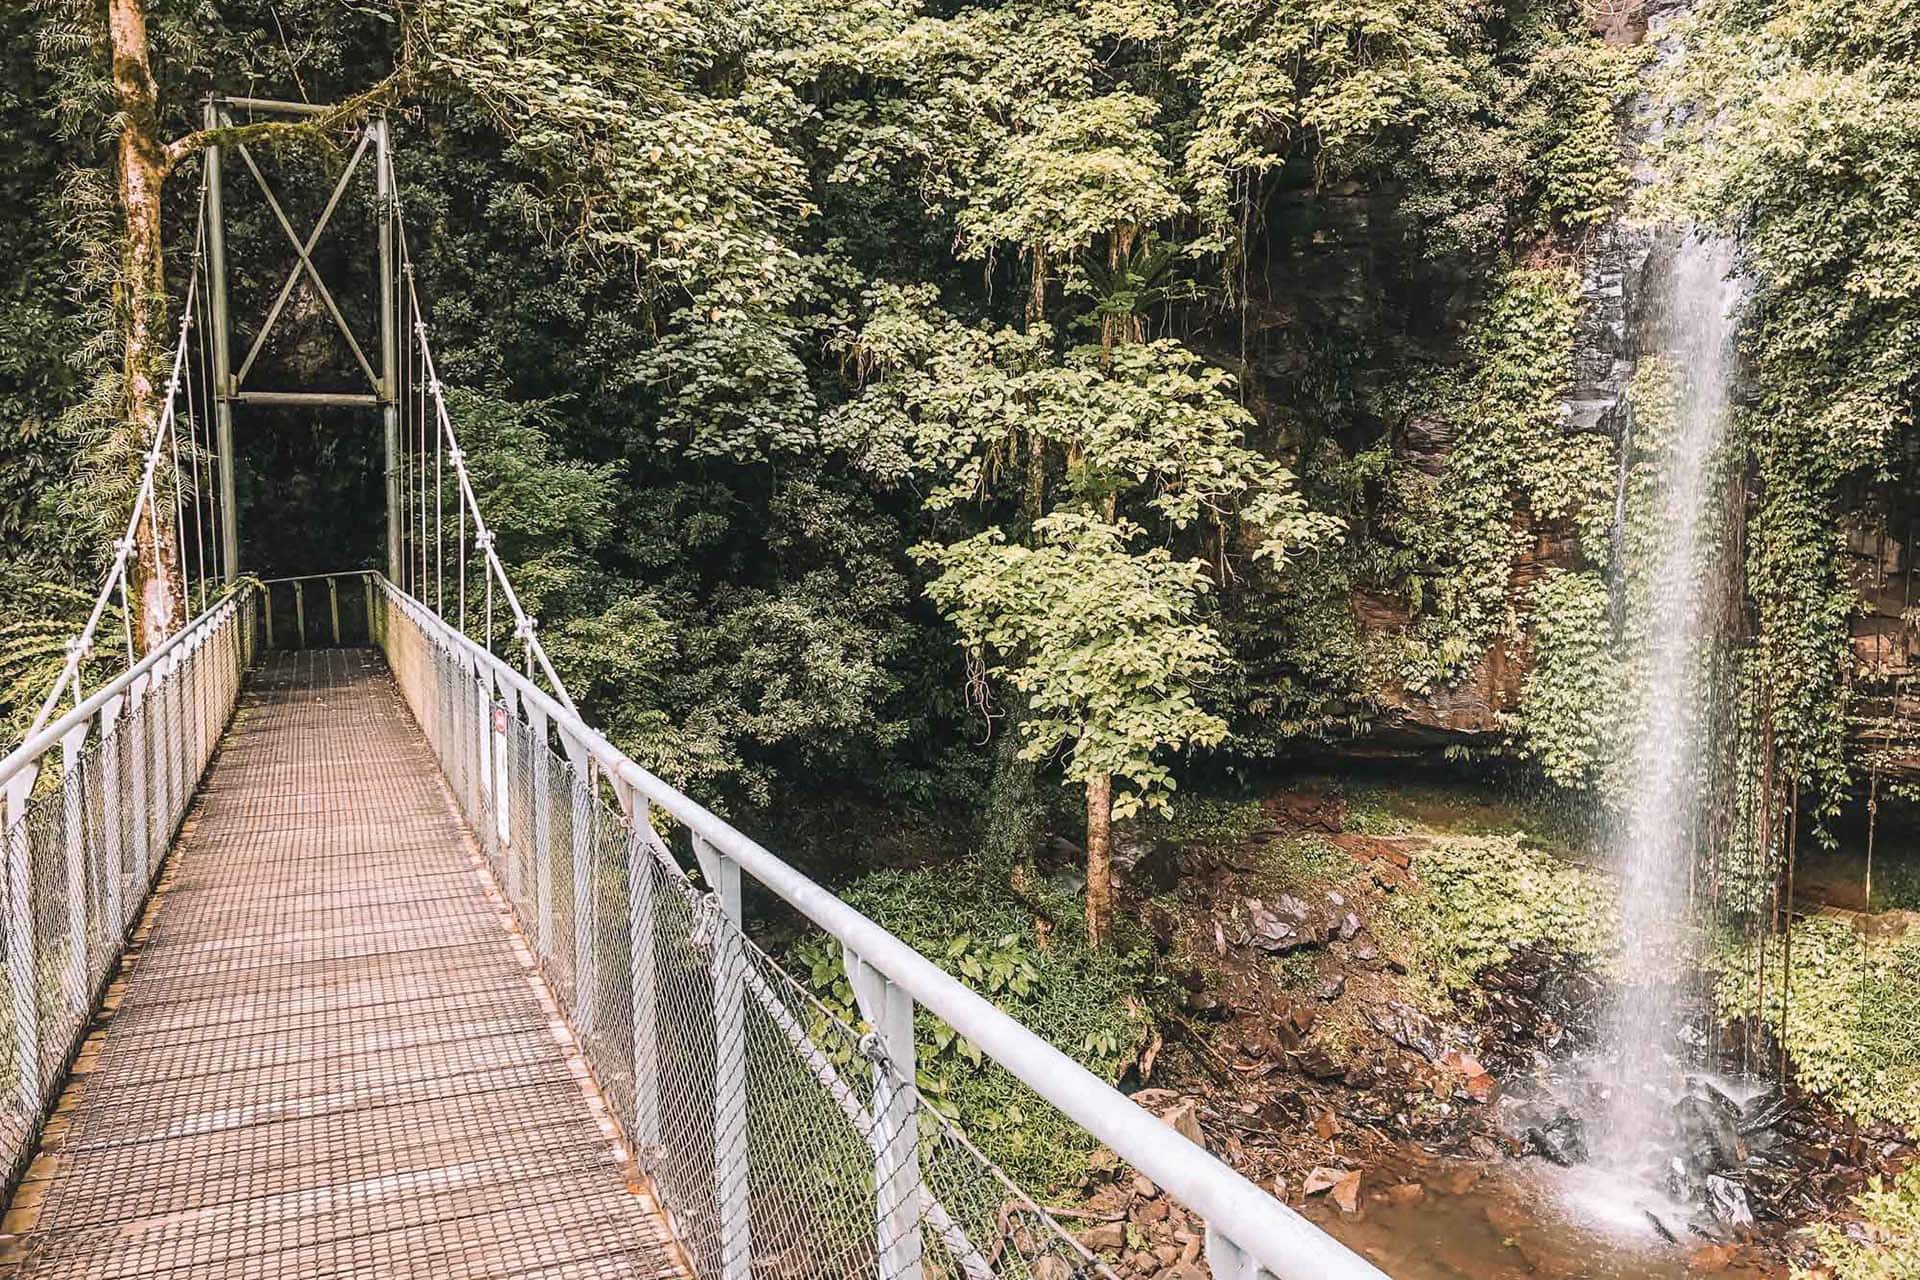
(327, 1058)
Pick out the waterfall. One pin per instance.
(1690, 306)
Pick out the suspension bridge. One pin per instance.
(338, 943)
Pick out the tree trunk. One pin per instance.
(1114, 330)
(1099, 860)
(153, 582)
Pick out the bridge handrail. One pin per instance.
(50, 736)
(88, 807)
(1248, 1231)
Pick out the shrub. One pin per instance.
(1481, 900)
(1849, 1010)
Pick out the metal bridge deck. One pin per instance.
(327, 1056)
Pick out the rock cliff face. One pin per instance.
(1613, 275)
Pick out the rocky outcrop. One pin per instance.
(1473, 709)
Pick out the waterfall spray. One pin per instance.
(1691, 319)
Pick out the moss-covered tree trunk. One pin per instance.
(154, 589)
(1099, 859)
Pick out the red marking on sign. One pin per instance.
(499, 719)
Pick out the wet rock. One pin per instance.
(1321, 1178)
(1311, 811)
(1406, 1027)
(1346, 1193)
(1728, 1107)
(1394, 852)
(1710, 1259)
(1708, 1134)
(1281, 927)
(1764, 1111)
(1562, 1139)
(1727, 1202)
(1471, 1079)
(1406, 1193)
(1455, 1180)
(1505, 1219)
(1547, 1259)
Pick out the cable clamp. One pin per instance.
(455, 456)
(433, 387)
(123, 547)
(874, 1049)
(483, 539)
(523, 628)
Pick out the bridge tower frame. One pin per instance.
(229, 383)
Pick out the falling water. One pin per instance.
(1690, 320)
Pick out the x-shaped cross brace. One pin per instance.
(305, 264)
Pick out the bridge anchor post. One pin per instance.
(898, 1203)
(729, 1064)
(641, 968)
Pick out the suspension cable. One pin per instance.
(525, 626)
(209, 403)
(196, 411)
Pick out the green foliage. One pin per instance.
(1149, 420)
(1081, 1000)
(1896, 886)
(1100, 638)
(1273, 71)
(1846, 1013)
(1890, 1249)
(1495, 118)
(1076, 172)
(1482, 899)
(1305, 861)
(1202, 821)
(1573, 703)
(1568, 110)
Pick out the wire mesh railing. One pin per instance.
(781, 1140)
(92, 802)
